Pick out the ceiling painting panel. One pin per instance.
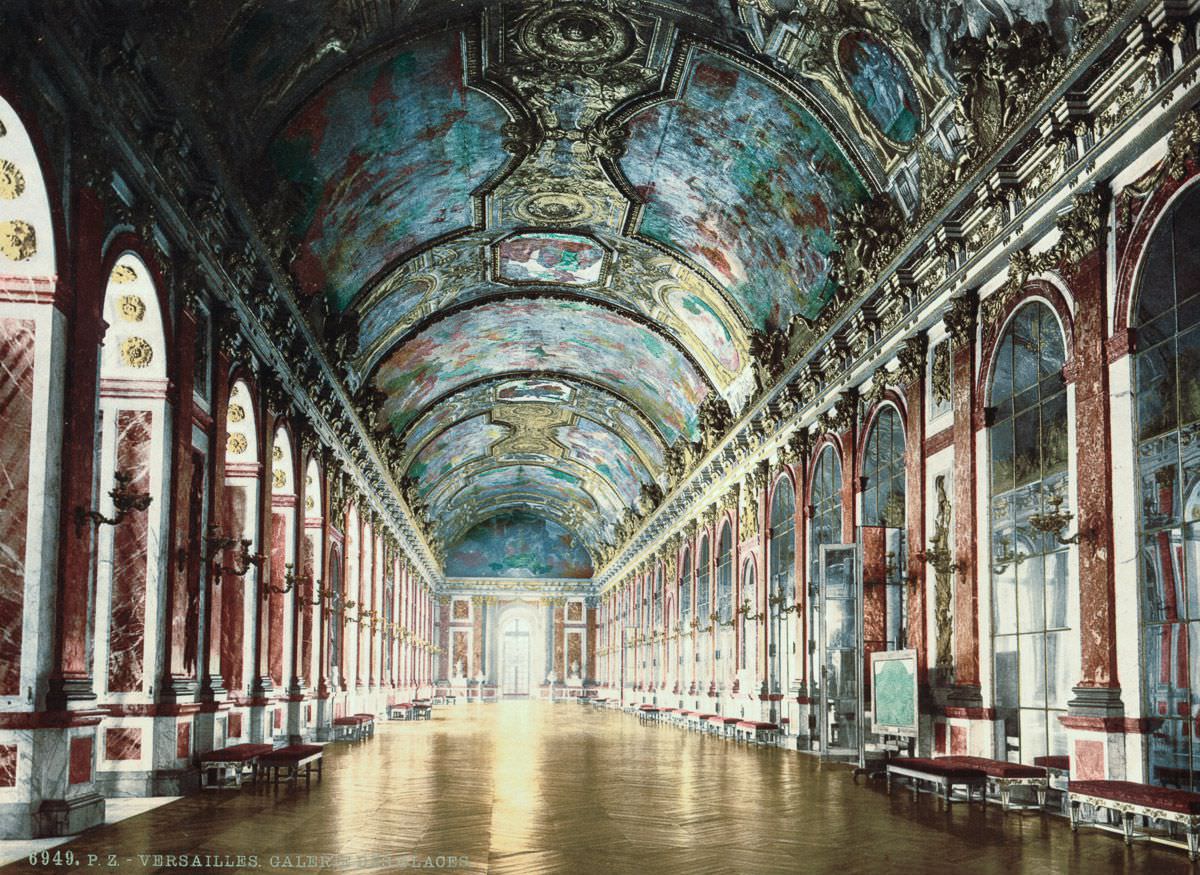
(881, 84)
(518, 544)
(552, 259)
(385, 159)
(604, 452)
(573, 337)
(473, 438)
(741, 178)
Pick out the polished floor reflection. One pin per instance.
(527, 787)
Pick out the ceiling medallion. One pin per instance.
(553, 207)
(577, 34)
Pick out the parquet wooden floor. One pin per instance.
(529, 787)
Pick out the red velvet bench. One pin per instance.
(939, 772)
(367, 722)
(756, 731)
(400, 711)
(680, 717)
(239, 759)
(647, 713)
(1131, 800)
(723, 726)
(291, 759)
(697, 719)
(1004, 776)
(352, 727)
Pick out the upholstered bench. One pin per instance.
(697, 720)
(348, 728)
(291, 759)
(1131, 800)
(940, 772)
(1054, 764)
(757, 731)
(367, 724)
(723, 726)
(1004, 776)
(422, 710)
(647, 713)
(400, 711)
(226, 766)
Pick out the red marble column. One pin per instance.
(849, 482)
(477, 605)
(799, 574)
(83, 300)
(593, 630)
(914, 518)
(264, 629)
(275, 577)
(306, 589)
(213, 683)
(232, 626)
(966, 590)
(559, 613)
(1097, 575)
(127, 624)
(17, 362)
(185, 536)
(364, 551)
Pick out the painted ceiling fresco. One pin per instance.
(567, 259)
(518, 544)
(569, 336)
(386, 158)
(547, 261)
(742, 179)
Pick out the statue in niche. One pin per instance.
(943, 589)
(574, 668)
(458, 668)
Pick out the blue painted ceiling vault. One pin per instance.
(543, 237)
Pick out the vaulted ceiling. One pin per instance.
(542, 236)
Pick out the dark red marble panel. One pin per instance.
(278, 712)
(80, 770)
(966, 595)
(234, 727)
(8, 765)
(274, 627)
(16, 423)
(183, 741)
(958, 741)
(122, 743)
(874, 597)
(127, 617)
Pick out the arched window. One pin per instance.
(335, 617)
(725, 575)
(827, 507)
(658, 596)
(702, 610)
(685, 587)
(782, 571)
(1033, 604)
(1167, 369)
(883, 506)
(883, 471)
(749, 587)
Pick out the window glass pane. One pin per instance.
(1032, 661)
(1156, 390)
(1005, 601)
(1189, 376)
(1055, 446)
(1001, 438)
(1061, 669)
(1058, 591)
(1030, 595)
(1006, 671)
(1027, 461)
(1033, 735)
(1187, 265)
(1156, 288)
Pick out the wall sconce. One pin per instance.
(218, 543)
(124, 500)
(1055, 521)
(745, 609)
(1007, 555)
(940, 558)
(777, 602)
(289, 582)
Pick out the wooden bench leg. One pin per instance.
(1040, 793)
(1004, 796)
(1074, 816)
(1193, 840)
